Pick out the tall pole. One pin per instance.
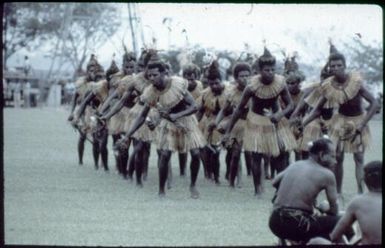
(131, 19)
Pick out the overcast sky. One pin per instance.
(229, 26)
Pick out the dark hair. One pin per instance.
(157, 64)
(337, 56)
(111, 70)
(265, 60)
(320, 145)
(213, 71)
(373, 174)
(294, 76)
(242, 66)
(191, 69)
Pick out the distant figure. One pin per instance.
(366, 209)
(17, 95)
(27, 93)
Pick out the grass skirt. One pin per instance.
(118, 121)
(361, 143)
(311, 132)
(144, 133)
(263, 137)
(177, 139)
(84, 122)
(214, 137)
(236, 133)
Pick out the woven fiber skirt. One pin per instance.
(361, 143)
(311, 132)
(84, 121)
(237, 133)
(118, 121)
(262, 136)
(144, 133)
(180, 137)
(214, 137)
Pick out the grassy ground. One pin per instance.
(50, 200)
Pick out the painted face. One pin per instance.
(267, 73)
(328, 158)
(243, 78)
(156, 77)
(129, 68)
(337, 68)
(294, 86)
(215, 85)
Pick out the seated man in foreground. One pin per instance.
(298, 187)
(366, 209)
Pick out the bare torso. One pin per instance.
(368, 213)
(301, 183)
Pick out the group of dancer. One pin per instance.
(262, 113)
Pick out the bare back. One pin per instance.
(367, 210)
(301, 183)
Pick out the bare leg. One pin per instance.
(205, 157)
(163, 170)
(239, 174)
(132, 159)
(169, 175)
(280, 162)
(216, 166)
(82, 140)
(182, 163)
(139, 159)
(249, 162)
(339, 170)
(123, 161)
(103, 148)
(268, 166)
(194, 170)
(234, 162)
(95, 151)
(256, 170)
(228, 163)
(146, 156)
(304, 155)
(115, 138)
(359, 161)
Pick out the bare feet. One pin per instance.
(194, 192)
(162, 194)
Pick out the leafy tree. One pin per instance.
(367, 58)
(23, 27)
(69, 32)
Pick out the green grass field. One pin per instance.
(50, 200)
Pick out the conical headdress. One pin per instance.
(266, 58)
(332, 49)
(113, 67)
(128, 56)
(92, 62)
(213, 71)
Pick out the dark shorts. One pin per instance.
(300, 225)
